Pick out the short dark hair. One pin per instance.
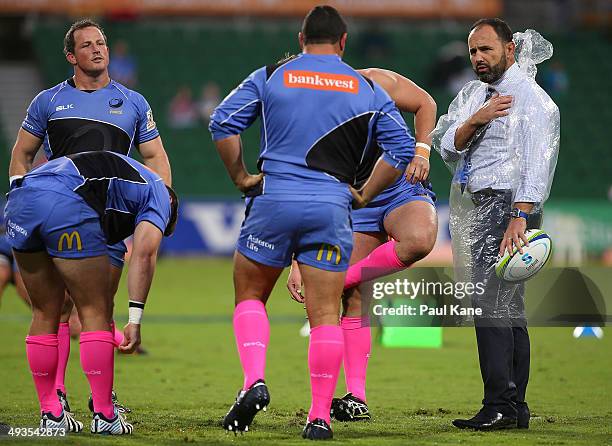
(79, 24)
(500, 27)
(323, 24)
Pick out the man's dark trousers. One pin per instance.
(501, 331)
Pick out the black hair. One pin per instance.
(174, 205)
(500, 27)
(323, 24)
(79, 24)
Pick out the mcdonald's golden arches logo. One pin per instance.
(69, 238)
(331, 249)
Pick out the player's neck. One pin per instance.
(321, 48)
(86, 82)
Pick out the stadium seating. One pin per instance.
(171, 54)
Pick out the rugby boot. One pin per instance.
(248, 403)
(317, 429)
(115, 426)
(65, 421)
(349, 408)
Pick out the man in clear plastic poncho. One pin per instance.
(500, 139)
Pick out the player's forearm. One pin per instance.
(20, 165)
(140, 275)
(147, 238)
(425, 120)
(160, 164)
(411, 98)
(23, 153)
(383, 175)
(154, 156)
(230, 151)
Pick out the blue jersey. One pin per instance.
(69, 120)
(119, 189)
(321, 122)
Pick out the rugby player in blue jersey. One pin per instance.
(319, 118)
(60, 219)
(405, 213)
(88, 111)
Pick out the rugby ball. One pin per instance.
(519, 267)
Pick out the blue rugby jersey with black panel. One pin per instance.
(69, 120)
(321, 122)
(122, 191)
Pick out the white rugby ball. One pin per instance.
(519, 267)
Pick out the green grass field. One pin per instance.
(180, 392)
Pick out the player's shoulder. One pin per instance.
(367, 74)
(371, 87)
(129, 94)
(365, 77)
(269, 70)
(47, 95)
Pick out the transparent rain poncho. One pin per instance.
(529, 140)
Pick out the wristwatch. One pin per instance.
(517, 213)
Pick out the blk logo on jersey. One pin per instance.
(64, 107)
(321, 81)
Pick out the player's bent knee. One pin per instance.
(416, 246)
